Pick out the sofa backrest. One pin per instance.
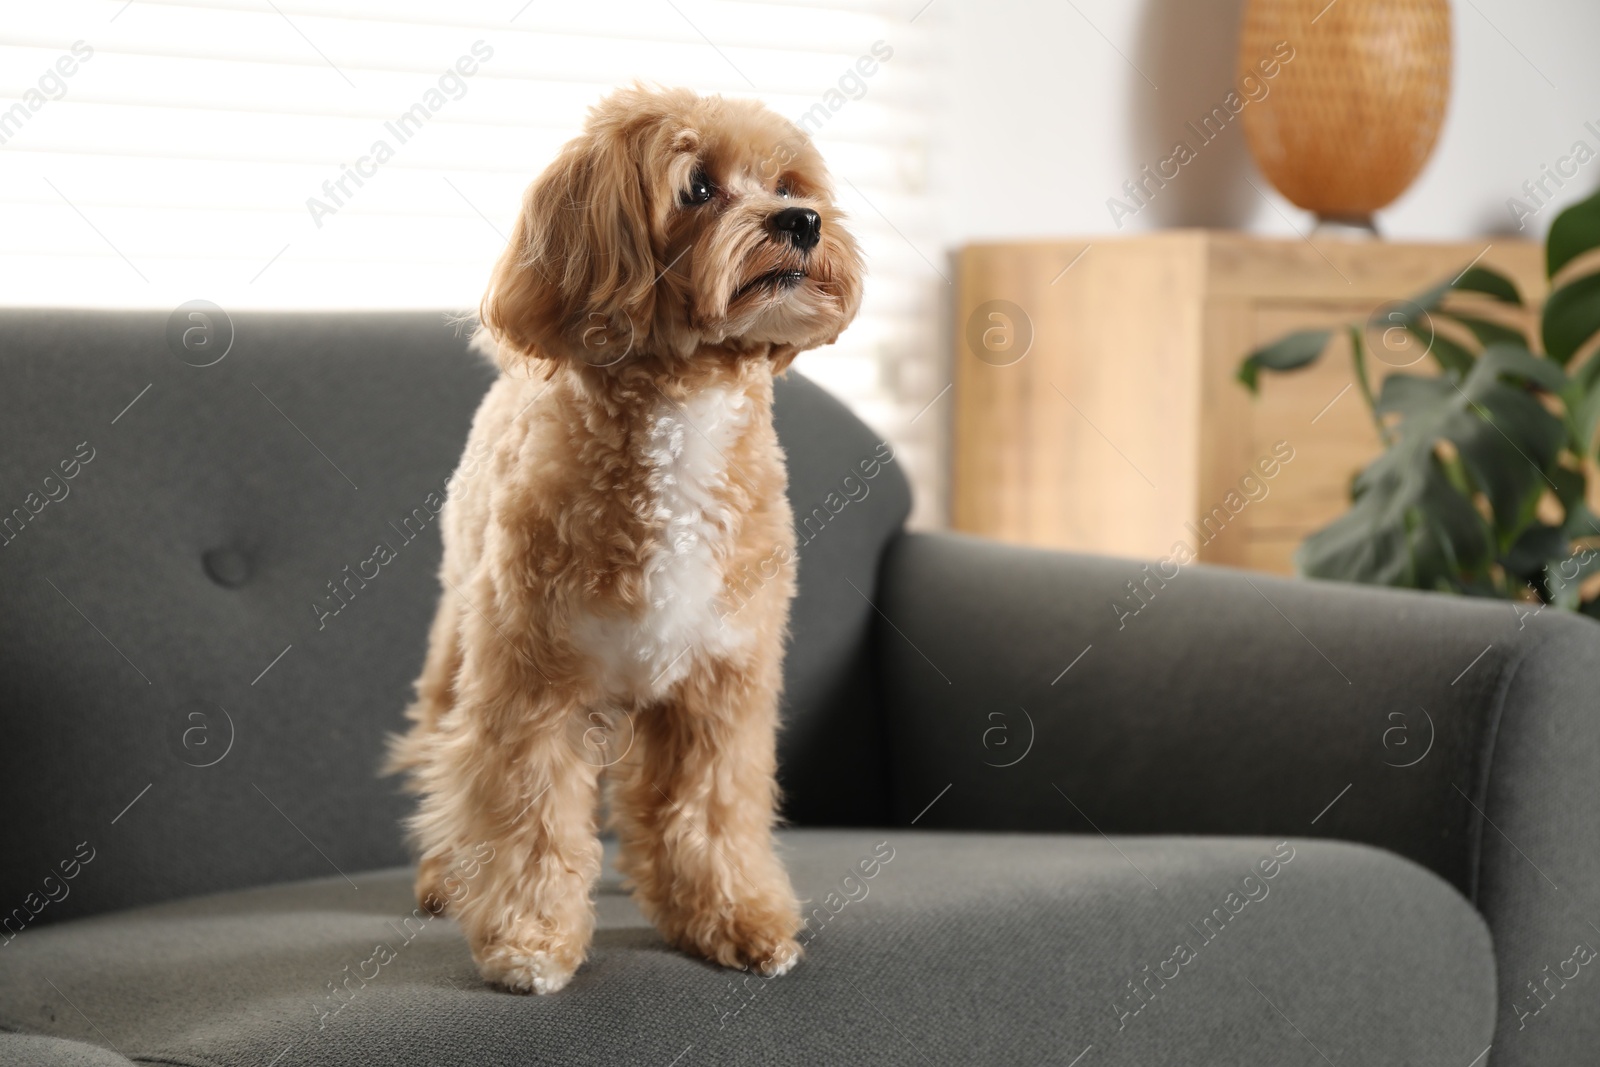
(178, 700)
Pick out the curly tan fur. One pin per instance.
(618, 562)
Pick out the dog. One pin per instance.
(675, 257)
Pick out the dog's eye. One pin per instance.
(699, 191)
(783, 190)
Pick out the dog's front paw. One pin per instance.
(745, 934)
(781, 959)
(528, 968)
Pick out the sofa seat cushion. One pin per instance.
(923, 948)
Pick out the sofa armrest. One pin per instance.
(1035, 690)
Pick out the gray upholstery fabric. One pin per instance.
(848, 504)
(145, 606)
(1539, 862)
(1244, 704)
(33, 1050)
(959, 949)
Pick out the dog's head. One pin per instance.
(674, 224)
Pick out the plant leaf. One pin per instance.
(1574, 232)
(1449, 549)
(1431, 297)
(1411, 394)
(1583, 411)
(1407, 527)
(1571, 317)
(1297, 350)
(1582, 524)
(1490, 333)
(1517, 362)
(1564, 578)
(1451, 357)
(1410, 523)
(1489, 282)
(1474, 279)
(1513, 438)
(1416, 319)
(1537, 547)
(1582, 399)
(1572, 486)
(1366, 544)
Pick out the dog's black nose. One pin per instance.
(803, 226)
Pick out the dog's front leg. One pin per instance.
(695, 805)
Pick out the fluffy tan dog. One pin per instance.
(598, 610)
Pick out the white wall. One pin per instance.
(1045, 119)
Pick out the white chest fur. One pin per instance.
(685, 451)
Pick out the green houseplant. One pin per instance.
(1480, 488)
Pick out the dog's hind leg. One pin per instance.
(435, 686)
(436, 694)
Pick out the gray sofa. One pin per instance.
(1262, 821)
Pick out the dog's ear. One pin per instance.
(578, 277)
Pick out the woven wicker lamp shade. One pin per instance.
(1352, 118)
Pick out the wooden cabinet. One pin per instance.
(1096, 407)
